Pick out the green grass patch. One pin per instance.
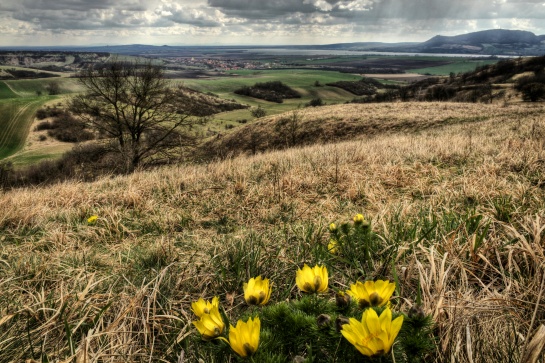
(456, 67)
(6, 92)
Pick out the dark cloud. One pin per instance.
(85, 5)
(260, 9)
(234, 20)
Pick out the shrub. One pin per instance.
(316, 102)
(274, 91)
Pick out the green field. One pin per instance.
(16, 117)
(6, 92)
(301, 80)
(29, 87)
(19, 101)
(461, 66)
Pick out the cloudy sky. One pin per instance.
(178, 22)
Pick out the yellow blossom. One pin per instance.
(372, 293)
(210, 325)
(359, 219)
(201, 306)
(332, 228)
(244, 338)
(312, 279)
(92, 219)
(374, 335)
(257, 291)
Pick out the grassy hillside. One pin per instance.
(455, 200)
(346, 122)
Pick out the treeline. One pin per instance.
(274, 91)
(476, 86)
(364, 87)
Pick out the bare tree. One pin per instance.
(132, 104)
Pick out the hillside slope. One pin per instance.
(457, 209)
(335, 123)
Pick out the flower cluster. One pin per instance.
(374, 335)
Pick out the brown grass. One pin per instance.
(123, 286)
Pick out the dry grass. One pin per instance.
(120, 290)
(355, 121)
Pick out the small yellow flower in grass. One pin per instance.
(257, 291)
(359, 219)
(312, 279)
(372, 293)
(244, 338)
(92, 219)
(374, 335)
(201, 306)
(332, 228)
(210, 325)
(332, 246)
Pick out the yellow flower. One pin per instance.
(373, 335)
(257, 291)
(201, 306)
(312, 279)
(359, 218)
(372, 293)
(332, 228)
(210, 325)
(92, 219)
(244, 338)
(332, 246)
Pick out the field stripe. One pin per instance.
(21, 119)
(12, 90)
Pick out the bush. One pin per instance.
(258, 112)
(67, 129)
(44, 113)
(316, 102)
(533, 92)
(274, 91)
(46, 125)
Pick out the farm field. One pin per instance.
(461, 66)
(16, 116)
(19, 101)
(302, 81)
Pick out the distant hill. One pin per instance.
(495, 41)
(486, 42)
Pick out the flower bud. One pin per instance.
(342, 299)
(339, 322)
(416, 312)
(332, 228)
(323, 320)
